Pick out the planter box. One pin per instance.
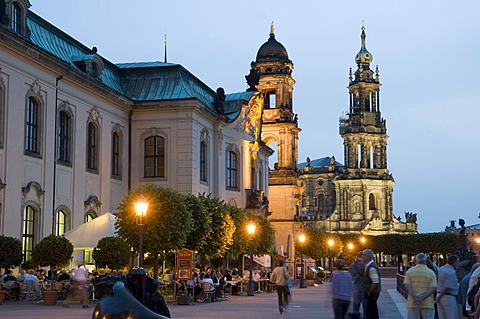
(3, 293)
(310, 282)
(50, 297)
(183, 300)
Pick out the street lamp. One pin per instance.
(362, 241)
(141, 207)
(350, 246)
(251, 232)
(330, 246)
(301, 240)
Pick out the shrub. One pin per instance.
(321, 274)
(52, 251)
(309, 276)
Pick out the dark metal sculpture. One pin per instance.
(134, 296)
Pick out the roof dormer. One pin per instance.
(91, 64)
(13, 14)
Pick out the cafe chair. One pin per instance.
(208, 291)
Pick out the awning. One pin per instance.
(86, 236)
(264, 260)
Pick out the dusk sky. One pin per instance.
(428, 53)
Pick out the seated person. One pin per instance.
(31, 280)
(8, 276)
(22, 275)
(50, 276)
(167, 278)
(63, 275)
(209, 280)
(256, 275)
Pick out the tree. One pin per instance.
(52, 251)
(222, 227)
(168, 221)
(10, 252)
(316, 244)
(112, 251)
(202, 223)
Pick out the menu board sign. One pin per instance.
(184, 262)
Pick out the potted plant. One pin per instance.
(52, 251)
(3, 293)
(321, 275)
(310, 277)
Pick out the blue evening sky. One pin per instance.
(427, 53)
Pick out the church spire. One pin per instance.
(165, 53)
(363, 57)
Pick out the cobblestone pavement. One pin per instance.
(313, 302)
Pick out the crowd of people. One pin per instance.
(433, 292)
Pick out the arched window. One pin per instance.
(321, 203)
(116, 155)
(203, 161)
(61, 222)
(92, 146)
(232, 169)
(28, 231)
(91, 215)
(64, 137)
(371, 201)
(32, 127)
(154, 156)
(16, 18)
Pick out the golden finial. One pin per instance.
(363, 25)
(272, 28)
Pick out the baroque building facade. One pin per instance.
(355, 197)
(77, 132)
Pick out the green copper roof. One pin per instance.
(139, 81)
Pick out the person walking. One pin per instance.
(279, 276)
(421, 284)
(342, 290)
(372, 284)
(356, 270)
(448, 289)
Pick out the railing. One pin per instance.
(401, 285)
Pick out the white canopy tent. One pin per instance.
(86, 236)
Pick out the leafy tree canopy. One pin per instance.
(168, 221)
(112, 251)
(10, 252)
(52, 251)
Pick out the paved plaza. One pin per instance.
(313, 302)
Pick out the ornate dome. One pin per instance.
(363, 56)
(272, 50)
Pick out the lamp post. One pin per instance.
(330, 246)
(251, 232)
(141, 207)
(301, 240)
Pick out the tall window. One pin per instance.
(64, 137)
(89, 216)
(203, 161)
(28, 231)
(32, 127)
(92, 146)
(232, 169)
(116, 167)
(321, 203)
(2, 109)
(371, 201)
(16, 18)
(154, 160)
(61, 222)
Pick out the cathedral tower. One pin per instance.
(364, 190)
(274, 69)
